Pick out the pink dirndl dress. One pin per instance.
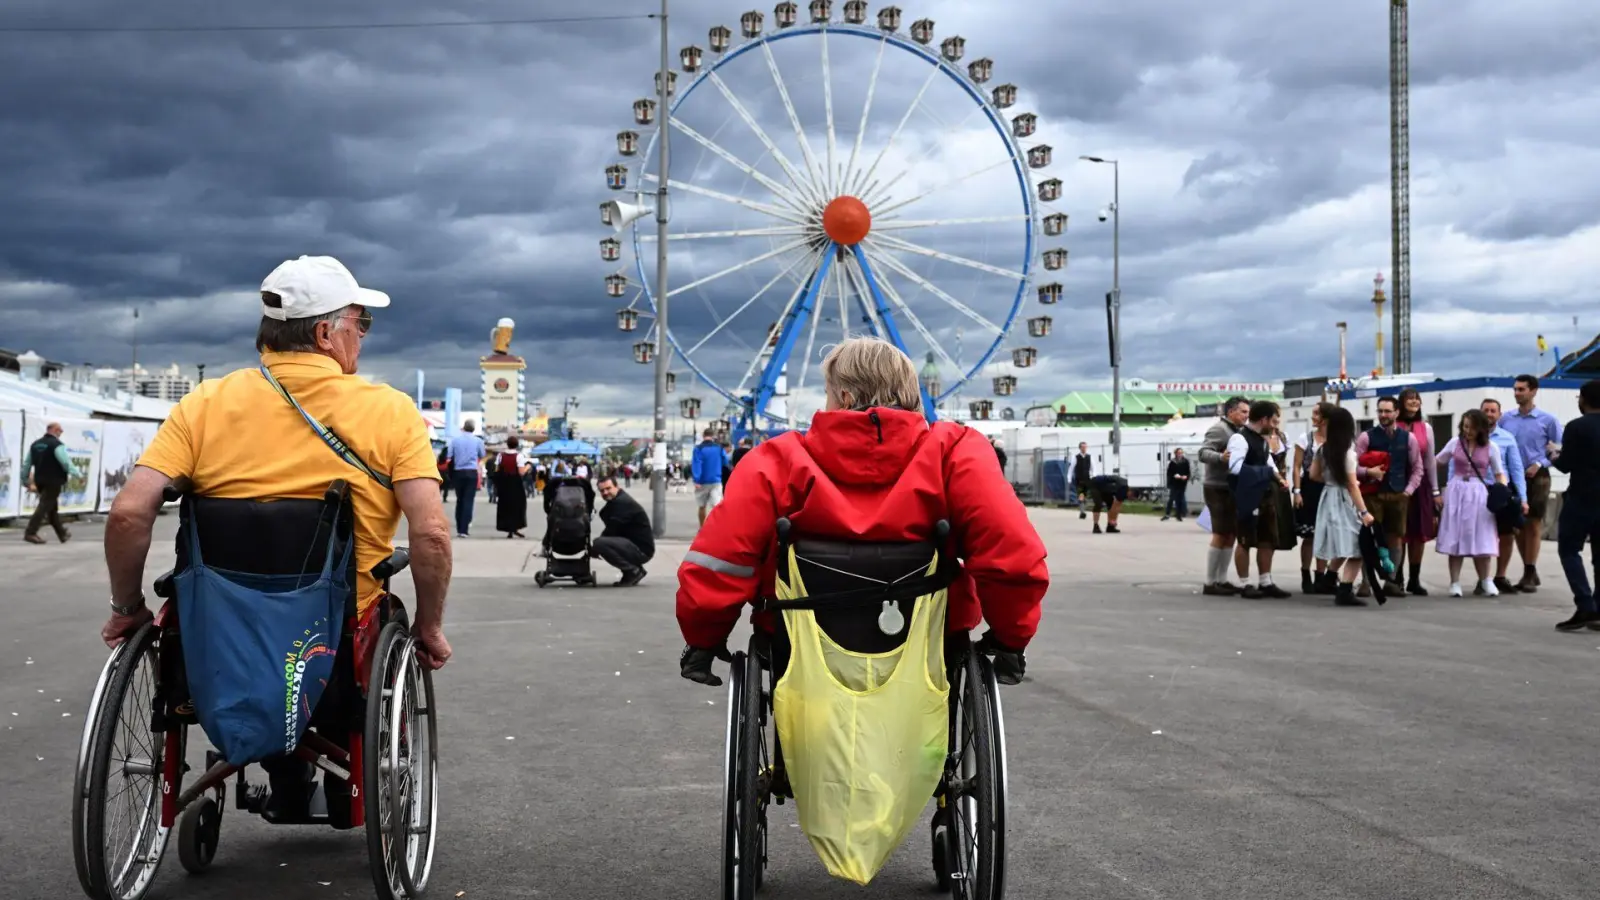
(1467, 527)
(1422, 523)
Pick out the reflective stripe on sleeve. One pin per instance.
(718, 565)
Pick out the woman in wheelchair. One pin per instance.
(870, 539)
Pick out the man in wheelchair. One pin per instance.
(870, 470)
(257, 451)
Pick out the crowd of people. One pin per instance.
(1385, 493)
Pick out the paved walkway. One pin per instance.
(1166, 744)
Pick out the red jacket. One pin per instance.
(879, 475)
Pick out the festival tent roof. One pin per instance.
(570, 448)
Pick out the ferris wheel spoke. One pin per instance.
(894, 224)
(895, 243)
(805, 363)
(864, 296)
(789, 198)
(866, 110)
(940, 187)
(755, 360)
(887, 287)
(915, 103)
(879, 194)
(773, 211)
(779, 251)
(888, 260)
(794, 117)
(827, 104)
(743, 232)
(802, 183)
(809, 257)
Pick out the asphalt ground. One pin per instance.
(1165, 744)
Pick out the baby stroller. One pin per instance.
(568, 510)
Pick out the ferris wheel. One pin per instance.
(834, 178)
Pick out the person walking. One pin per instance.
(1468, 527)
(1507, 520)
(1422, 523)
(1082, 474)
(1341, 510)
(1177, 486)
(707, 463)
(46, 470)
(511, 467)
(1534, 430)
(467, 454)
(1219, 497)
(1307, 492)
(1579, 457)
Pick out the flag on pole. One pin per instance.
(1542, 345)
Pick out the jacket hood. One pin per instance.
(865, 447)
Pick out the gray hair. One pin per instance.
(290, 335)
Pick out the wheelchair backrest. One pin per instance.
(284, 536)
(833, 567)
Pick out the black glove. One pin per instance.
(1009, 665)
(695, 663)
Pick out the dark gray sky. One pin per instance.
(460, 169)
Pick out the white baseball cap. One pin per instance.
(314, 286)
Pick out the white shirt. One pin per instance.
(1238, 447)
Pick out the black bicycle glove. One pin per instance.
(1009, 665)
(695, 664)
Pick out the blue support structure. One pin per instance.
(786, 338)
(887, 316)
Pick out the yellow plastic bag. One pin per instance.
(864, 735)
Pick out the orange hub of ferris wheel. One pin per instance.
(846, 220)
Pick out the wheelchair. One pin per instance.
(373, 732)
(969, 825)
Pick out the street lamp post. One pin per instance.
(658, 456)
(1115, 309)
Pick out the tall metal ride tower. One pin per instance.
(1400, 184)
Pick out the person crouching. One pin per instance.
(627, 542)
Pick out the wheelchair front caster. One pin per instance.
(540, 578)
(941, 856)
(199, 830)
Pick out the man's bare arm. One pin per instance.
(128, 528)
(429, 537)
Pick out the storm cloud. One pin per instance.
(460, 168)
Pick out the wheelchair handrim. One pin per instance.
(149, 842)
(80, 780)
(730, 781)
(1002, 785)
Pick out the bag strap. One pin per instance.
(334, 442)
(1474, 464)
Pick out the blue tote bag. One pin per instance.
(259, 649)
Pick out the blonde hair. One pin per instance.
(873, 372)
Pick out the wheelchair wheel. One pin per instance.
(973, 845)
(199, 830)
(118, 839)
(401, 772)
(744, 832)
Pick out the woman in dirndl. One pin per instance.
(1307, 492)
(1282, 500)
(1422, 522)
(1467, 527)
(511, 512)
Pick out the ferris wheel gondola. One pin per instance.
(826, 149)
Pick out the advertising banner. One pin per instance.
(123, 444)
(82, 440)
(11, 449)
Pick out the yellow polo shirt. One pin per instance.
(236, 437)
